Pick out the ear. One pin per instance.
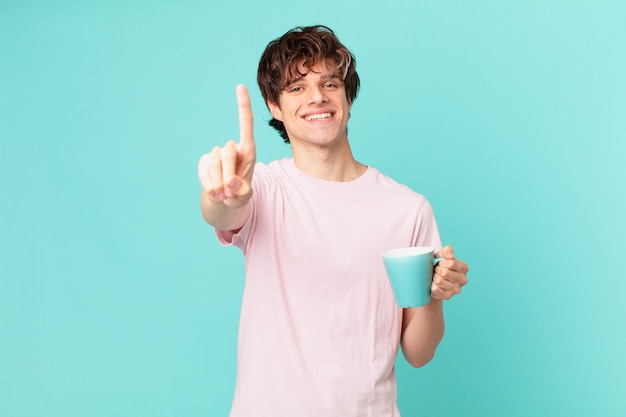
(275, 111)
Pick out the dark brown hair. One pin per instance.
(311, 45)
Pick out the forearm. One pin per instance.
(221, 216)
(422, 330)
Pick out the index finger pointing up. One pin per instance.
(246, 135)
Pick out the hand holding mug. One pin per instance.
(450, 275)
(417, 274)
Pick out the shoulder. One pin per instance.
(277, 168)
(387, 185)
(270, 178)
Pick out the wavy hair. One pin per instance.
(282, 57)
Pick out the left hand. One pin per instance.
(450, 275)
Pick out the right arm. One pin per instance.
(226, 174)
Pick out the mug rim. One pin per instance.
(408, 251)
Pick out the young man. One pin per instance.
(319, 329)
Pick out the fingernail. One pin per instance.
(235, 184)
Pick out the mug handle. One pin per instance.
(436, 261)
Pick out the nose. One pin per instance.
(317, 95)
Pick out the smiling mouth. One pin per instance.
(319, 116)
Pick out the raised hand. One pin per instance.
(226, 172)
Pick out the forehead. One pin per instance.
(326, 67)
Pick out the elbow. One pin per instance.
(420, 355)
(420, 362)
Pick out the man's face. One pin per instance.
(314, 108)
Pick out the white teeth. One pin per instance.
(319, 116)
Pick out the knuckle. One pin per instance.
(204, 161)
(211, 156)
(228, 153)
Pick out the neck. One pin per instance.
(328, 164)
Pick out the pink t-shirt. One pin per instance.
(319, 329)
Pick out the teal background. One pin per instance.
(510, 116)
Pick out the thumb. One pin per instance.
(447, 252)
(238, 187)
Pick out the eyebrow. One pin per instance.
(325, 76)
